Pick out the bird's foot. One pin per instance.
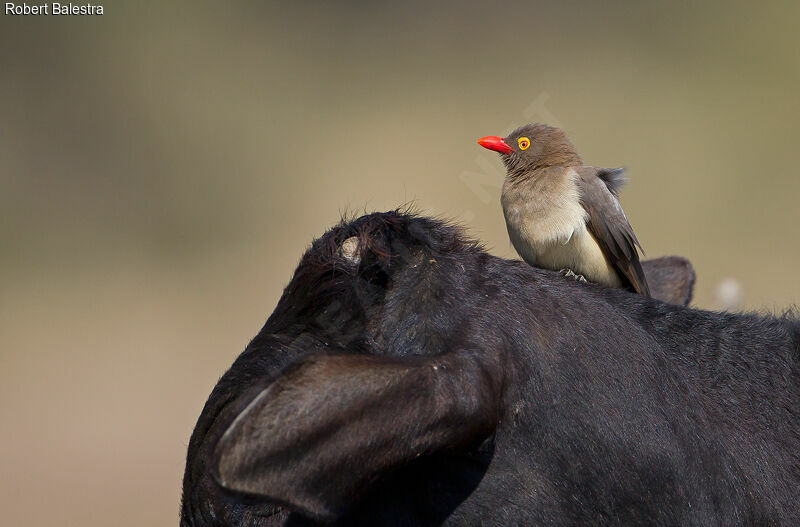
(568, 273)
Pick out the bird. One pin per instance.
(563, 215)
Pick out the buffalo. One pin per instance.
(407, 377)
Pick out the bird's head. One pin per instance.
(531, 147)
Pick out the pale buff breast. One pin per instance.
(547, 226)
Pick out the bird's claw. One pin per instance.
(568, 273)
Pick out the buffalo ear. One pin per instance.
(671, 279)
(331, 425)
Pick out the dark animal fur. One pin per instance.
(670, 278)
(434, 384)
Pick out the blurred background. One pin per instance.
(164, 166)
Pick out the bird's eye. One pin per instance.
(523, 143)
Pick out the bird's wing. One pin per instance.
(614, 178)
(609, 225)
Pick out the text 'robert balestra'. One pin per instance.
(53, 9)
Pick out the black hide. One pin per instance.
(407, 377)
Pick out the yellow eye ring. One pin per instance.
(523, 143)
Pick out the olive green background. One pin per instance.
(163, 167)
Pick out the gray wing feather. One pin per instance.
(614, 178)
(609, 225)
